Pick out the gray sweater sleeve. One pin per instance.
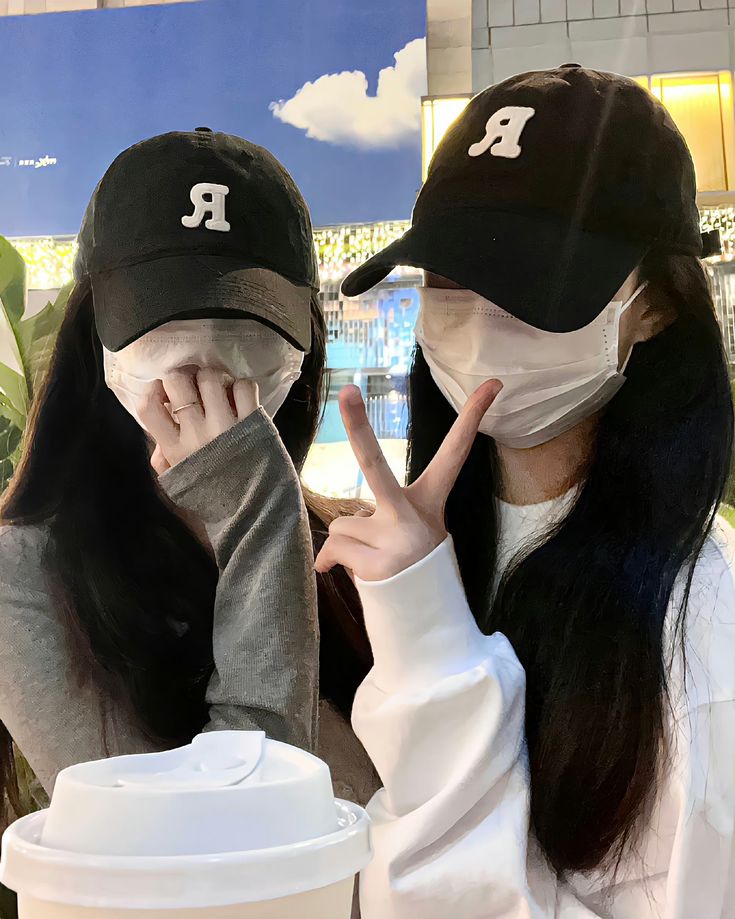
(244, 488)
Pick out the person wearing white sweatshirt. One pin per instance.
(551, 599)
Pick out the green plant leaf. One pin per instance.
(14, 390)
(26, 345)
(10, 440)
(13, 376)
(16, 454)
(38, 338)
(7, 411)
(47, 321)
(6, 474)
(12, 281)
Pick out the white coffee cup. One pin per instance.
(232, 826)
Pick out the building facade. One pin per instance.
(683, 51)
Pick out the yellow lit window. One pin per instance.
(437, 114)
(702, 107)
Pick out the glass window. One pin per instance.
(437, 114)
(701, 106)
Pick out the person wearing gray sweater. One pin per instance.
(244, 489)
(156, 551)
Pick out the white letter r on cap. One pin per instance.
(208, 198)
(503, 132)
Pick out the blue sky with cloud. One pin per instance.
(330, 86)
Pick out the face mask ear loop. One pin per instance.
(629, 302)
(626, 305)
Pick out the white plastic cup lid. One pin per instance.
(231, 818)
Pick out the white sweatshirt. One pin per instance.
(442, 716)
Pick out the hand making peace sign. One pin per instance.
(407, 523)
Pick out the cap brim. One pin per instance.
(536, 266)
(133, 300)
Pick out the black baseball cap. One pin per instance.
(197, 224)
(545, 194)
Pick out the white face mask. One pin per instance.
(551, 381)
(239, 348)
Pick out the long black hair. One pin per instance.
(585, 609)
(125, 571)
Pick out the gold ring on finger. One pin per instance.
(175, 411)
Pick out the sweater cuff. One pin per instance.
(419, 623)
(211, 482)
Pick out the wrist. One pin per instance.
(419, 622)
(211, 482)
(393, 564)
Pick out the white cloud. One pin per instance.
(337, 109)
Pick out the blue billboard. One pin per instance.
(331, 87)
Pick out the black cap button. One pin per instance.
(570, 66)
(203, 130)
